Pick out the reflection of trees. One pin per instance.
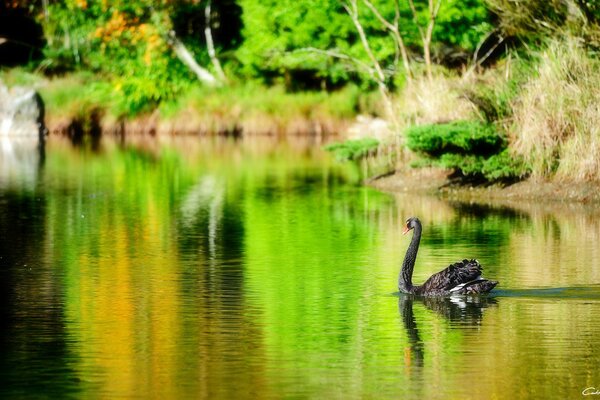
(33, 339)
(223, 332)
(548, 243)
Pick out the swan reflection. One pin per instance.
(459, 310)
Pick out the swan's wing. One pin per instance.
(457, 274)
(475, 287)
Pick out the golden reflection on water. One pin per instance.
(228, 269)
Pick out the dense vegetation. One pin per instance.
(474, 150)
(225, 65)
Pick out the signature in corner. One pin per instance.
(591, 391)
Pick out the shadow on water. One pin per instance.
(486, 211)
(33, 329)
(558, 293)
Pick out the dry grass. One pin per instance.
(438, 100)
(557, 116)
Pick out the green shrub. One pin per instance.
(459, 137)
(469, 165)
(472, 149)
(505, 167)
(502, 167)
(353, 149)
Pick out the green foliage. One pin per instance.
(459, 137)
(473, 149)
(280, 37)
(240, 101)
(276, 31)
(502, 167)
(124, 44)
(505, 167)
(468, 165)
(353, 149)
(462, 24)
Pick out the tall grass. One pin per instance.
(557, 116)
(438, 100)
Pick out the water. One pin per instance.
(261, 269)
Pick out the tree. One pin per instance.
(316, 41)
(150, 50)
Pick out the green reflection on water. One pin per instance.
(262, 269)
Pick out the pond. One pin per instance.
(262, 268)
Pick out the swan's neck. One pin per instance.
(405, 278)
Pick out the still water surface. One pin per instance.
(262, 269)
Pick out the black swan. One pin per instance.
(463, 277)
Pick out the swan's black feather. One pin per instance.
(456, 274)
(478, 286)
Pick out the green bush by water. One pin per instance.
(473, 149)
(458, 137)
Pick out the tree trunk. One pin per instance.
(378, 76)
(210, 44)
(186, 57)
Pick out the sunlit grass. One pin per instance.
(249, 107)
(556, 116)
(255, 108)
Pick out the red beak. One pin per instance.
(405, 230)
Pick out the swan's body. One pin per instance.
(463, 277)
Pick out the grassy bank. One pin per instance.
(542, 104)
(239, 108)
(557, 116)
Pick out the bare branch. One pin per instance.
(396, 12)
(416, 19)
(478, 62)
(434, 10)
(351, 8)
(426, 36)
(393, 28)
(353, 12)
(209, 42)
(336, 54)
(188, 59)
(184, 55)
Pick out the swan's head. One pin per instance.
(411, 223)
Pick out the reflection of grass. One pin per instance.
(353, 149)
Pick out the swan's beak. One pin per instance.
(405, 231)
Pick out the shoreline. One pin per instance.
(434, 181)
(424, 181)
(191, 124)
